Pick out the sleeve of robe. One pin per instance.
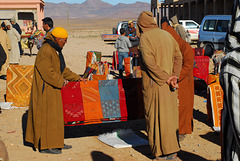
(69, 75)
(157, 74)
(188, 62)
(177, 65)
(47, 72)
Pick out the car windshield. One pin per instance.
(191, 25)
(125, 25)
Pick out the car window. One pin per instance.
(180, 23)
(209, 25)
(125, 25)
(222, 25)
(191, 25)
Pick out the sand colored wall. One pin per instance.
(10, 8)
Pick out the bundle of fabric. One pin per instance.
(136, 73)
(38, 35)
(94, 102)
(102, 68)
(201, 68)
(91, 69)
(97, 71)
(115, 61)
(92, 57)
(212, 78)
(19, 83)
(198, 51)
(215, 105)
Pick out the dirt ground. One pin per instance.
(203, 144)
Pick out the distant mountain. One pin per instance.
(95, 9)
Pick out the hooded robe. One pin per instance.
(161, 58)
(14, 55)
(178, 28)
(45, 123)
(186, 83)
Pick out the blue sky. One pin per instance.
(114, 2)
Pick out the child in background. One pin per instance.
(122, 45)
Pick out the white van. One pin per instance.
(212, 32)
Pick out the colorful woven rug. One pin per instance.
(91, 102)
(19, 83)
(201, 67)
(110, 99)
(72, 103)
(215, 105)
(115, 61)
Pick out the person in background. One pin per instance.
(229, 78)
(14, 55)
(178, 28)
(17, 27)
(6, 45)
(45, 123)
(186, 82)
(161, 66)
(3, 26)
(131, 34)
(122, 45)
(47, 26)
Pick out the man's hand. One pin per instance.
(172, 81)
(65, 82)
(82, 80)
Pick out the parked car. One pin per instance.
(212, 32)
(122, 24)
(192, 27)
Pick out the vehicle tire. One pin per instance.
(208, 49)
(114, 30)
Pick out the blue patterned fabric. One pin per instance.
(108, 90)
(111, 109)
(109, 95)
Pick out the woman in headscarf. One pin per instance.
(14, 55)
(186, 82)
(229, 80)
(161, 66)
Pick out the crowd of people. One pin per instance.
(167, 83)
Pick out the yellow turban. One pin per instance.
(60, 32)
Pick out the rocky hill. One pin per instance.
(95, 9)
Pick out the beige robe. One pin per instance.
(15, 37)
(6, 44)
(161, 59)
(45, 116)
(179, 28)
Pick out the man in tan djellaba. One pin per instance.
(45, 124)
(161, 66)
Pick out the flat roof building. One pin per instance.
(24, 11)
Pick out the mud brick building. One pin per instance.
(24, 11)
